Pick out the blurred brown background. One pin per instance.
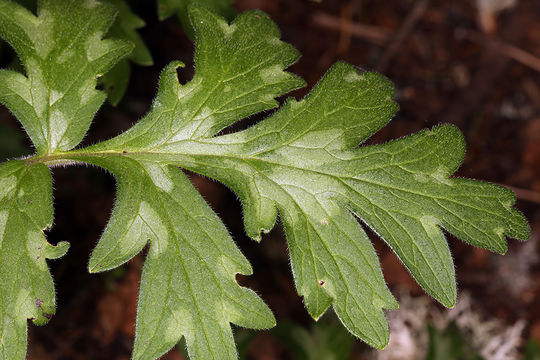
(473, 63)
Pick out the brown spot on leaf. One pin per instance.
(48, 316)
(324, 222)
(39, 302)
(321, 282)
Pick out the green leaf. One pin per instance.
(188, 285)
(11, 143)
(116, 80)
(125, 27)
(532, 350)
(327, 340)
(303, 161)
(57, 99)
(239, 72)
(445, 345)
(27, 286)
(167, 8)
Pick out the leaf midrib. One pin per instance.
(61, 158)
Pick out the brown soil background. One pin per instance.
(450, 63)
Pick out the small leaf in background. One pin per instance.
(11, 143)
(449, 344)
(167, 8)
(125, 27)
(532, 350)
(63, 52)
(116, 80)
(327, 339)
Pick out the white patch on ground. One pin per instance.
(409, 338)
(515, 269)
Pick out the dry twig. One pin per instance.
(505, 49)
(374, 34)
(402, 33)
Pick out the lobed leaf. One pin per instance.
(188, 286)
(27, 286)
(125, 27)
(63, 53)
(303, 161)
(239, 72)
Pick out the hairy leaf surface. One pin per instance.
(57, 99)
(27, 289)
(303, 161)
(188, 286)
